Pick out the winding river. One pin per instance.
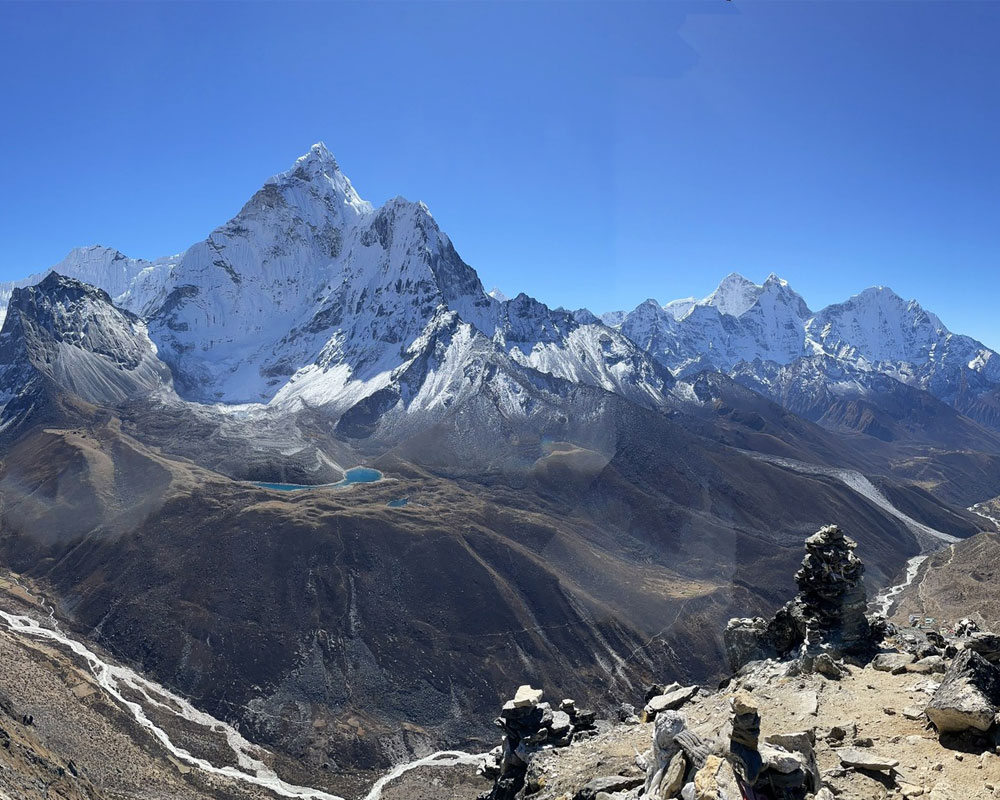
(114, 680)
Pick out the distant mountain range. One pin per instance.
(310, 296)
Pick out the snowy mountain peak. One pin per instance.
(319, 175)
(734, 295)
(883, 300)
(318, 161)
(678, 308)
(70, 333)
(321, 153)
(498, 295)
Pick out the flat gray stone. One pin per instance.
(865, 759)
(609, 784)
(928, 665)
(526, 697)
(669, 702)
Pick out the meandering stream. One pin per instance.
(883, 600)
(115, 679)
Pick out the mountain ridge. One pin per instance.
(311, 295)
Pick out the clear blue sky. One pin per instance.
(588, 154)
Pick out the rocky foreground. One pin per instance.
(826, 703)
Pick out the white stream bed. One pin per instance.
(977, 509)
(114, 680)
(883, 600)
(858, 483)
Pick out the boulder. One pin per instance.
(716, 781)
(780, 760)
(746, 639)
(986, 644)
(968, 696)
(928, 665)
(667, 727)
(916, 642)
(561, 724)
(826, 666)
(673, 778)
(896, 663)
(526, 697)
(803, 744)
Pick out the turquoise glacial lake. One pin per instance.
(353, 475)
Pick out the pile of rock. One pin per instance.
(529, 725)
(681, 764)
(825, 621)
(832, 596)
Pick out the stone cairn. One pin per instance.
(680, 763)
(528, 726)
(826, 621)
(832, 596)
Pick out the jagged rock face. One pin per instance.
(71, 334)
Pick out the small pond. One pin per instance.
(399, 502)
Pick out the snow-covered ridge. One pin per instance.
(312, 296)
(743, 321)
(132, 283)
(754, 331)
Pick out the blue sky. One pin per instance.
(589, 154)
